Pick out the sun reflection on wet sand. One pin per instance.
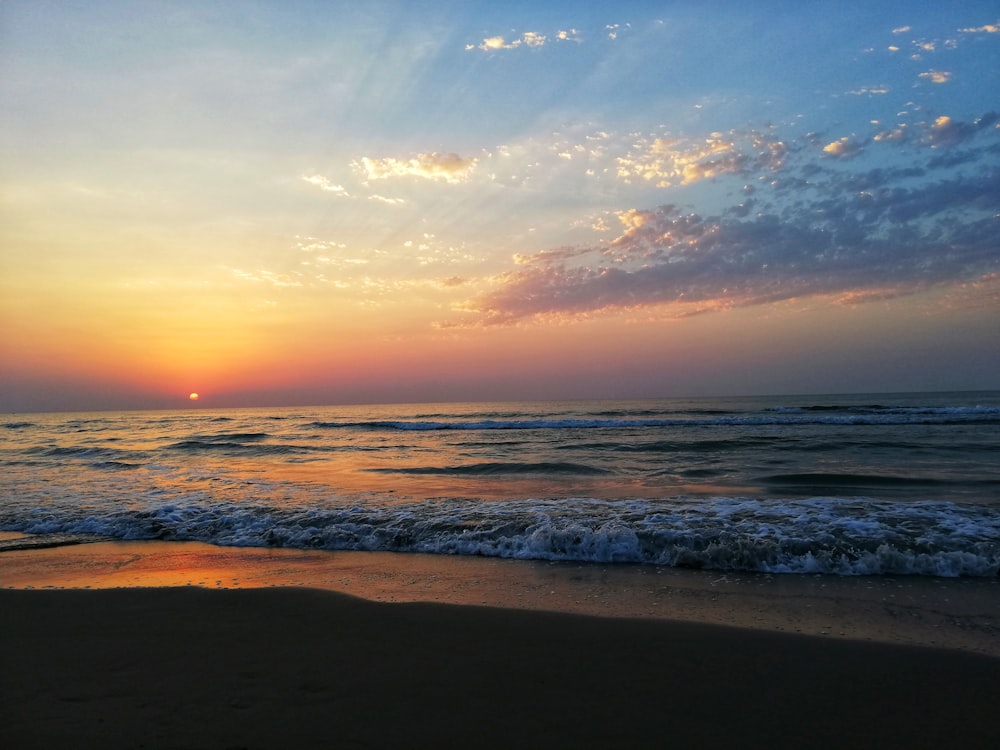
(955, 613)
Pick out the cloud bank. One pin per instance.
(804, 226)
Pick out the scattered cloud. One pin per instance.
(324, 184)
(989, 28)
(798, 229)
(946, 131)
(870, 90)
(615, 29)
(844, 148)
(900, 29)
(315, 244)
(533, 39)
(569, 35)
(269, 277)
(527, 39)
(450, 167)
(896, 135)
(937, 76)
(667, 161)
(494, 43)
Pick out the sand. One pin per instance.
(290, 667)
(950, 613)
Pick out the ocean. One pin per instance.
(877, 484)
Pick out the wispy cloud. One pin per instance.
(989, 28)
(449, 167)
(324, 184)
(870, 91)
(613, 30)
(388, 201)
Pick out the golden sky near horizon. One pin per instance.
(275, 203)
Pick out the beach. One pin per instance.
(192, 646)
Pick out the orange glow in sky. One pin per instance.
(469, 201)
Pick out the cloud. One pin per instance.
(844, 148)
(450, 167)
(941, 132)
(683, 161)
(901, 29)
(315, 244)
(937, 76)
(896, 135)
(714, 264)
(990, 28)
(494, 43)
(324, 184)
(569, 35)
(614, 29)
(946, 132)
(847, 234)
(387, 201)
(269, 277)
(870, 90)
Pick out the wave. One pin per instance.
(976, 415)
(881, 409)
(18, 425)
(247, 449)
(821, 479)
(115, 465)
(495, 469)
(816, 535)
(223, 437)
(76, 451)
(686, 446)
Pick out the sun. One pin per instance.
(193, 397)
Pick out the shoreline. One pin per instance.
(956, 614)
(167, 645)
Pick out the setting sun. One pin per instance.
(193, 397)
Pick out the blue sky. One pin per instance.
(478, 200)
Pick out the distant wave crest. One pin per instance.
(774, 417)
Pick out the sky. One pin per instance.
(280, 203)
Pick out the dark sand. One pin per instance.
(290, 667)
(297, 668)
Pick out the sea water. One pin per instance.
(849, 485)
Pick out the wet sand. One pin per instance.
(950, 613)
